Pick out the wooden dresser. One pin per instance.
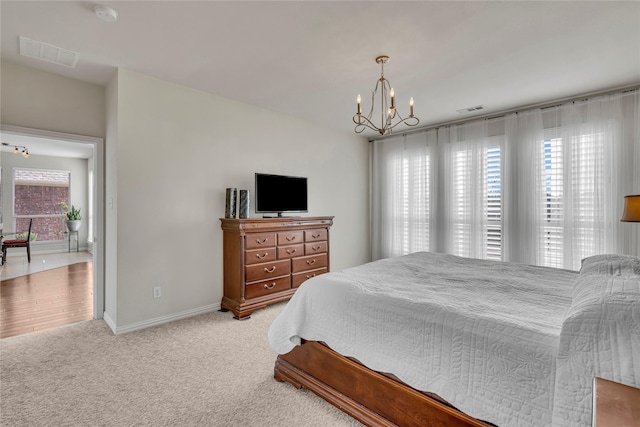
(266, 259)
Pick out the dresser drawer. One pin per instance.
(310, 262)
(290, 237)
(315, 235)
(315, 248)
(298, 278)
(267, 287)
(267, 270)
(290, 251)
(256, 256)
(260, 240)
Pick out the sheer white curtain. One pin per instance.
(471, 214)
(542, 187)
(523, 189)
(595, 142)
(402, 185)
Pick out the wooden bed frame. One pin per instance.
(372, 398)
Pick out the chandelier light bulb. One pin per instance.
(15, 150)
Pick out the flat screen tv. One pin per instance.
(279, 194)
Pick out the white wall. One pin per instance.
(170, 152)
(177, 150)
(39, 100)
(77, 185)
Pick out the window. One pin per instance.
(542, 186)
(406, 177)
(494, 203)
(37, 195)
(476, 205)
(413, 198)
(573, 189)
(552, 215)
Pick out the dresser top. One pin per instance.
(274, 224)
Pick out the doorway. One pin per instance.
(40, 144)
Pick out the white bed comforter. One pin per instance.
(482, 335)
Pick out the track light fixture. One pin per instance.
(18, 148)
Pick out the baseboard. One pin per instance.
(45, 250)
(118, 330)
(107, 319)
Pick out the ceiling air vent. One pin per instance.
(471, 109)
(48, 53)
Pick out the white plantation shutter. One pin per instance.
(493, 168)
(474, 202)
(588, 182)
(573, 210)
(403, 216)
(551, 205)
(542, 187)
(460, 237)
(413, 200)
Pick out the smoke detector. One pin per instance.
(105, 13)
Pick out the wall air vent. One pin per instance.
(471, 109)
(48, 53)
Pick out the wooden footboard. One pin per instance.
(372, 398)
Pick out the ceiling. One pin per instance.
(45, 146)
(309, 59)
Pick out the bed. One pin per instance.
(433, 339)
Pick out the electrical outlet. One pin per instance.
(157, 292)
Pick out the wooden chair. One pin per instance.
(18, 243)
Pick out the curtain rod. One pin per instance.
(541, 105)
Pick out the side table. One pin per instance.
(77, 242)
(615, 404)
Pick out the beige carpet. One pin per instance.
(209, 370)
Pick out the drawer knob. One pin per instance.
(315, 236)
(291, 238)
(262, 256)
(316, 248)
(271, 286)
(291, 251)
(270, 270)
(263, 241)
(309, 276)
(311, 261)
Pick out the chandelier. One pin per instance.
(18, 148)
(388, 110)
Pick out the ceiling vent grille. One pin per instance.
(48, 53)
(471, 109)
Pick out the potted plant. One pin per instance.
(73, 216)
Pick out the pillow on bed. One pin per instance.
(595, 286)
(611, 265)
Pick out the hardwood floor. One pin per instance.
(45, 300)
